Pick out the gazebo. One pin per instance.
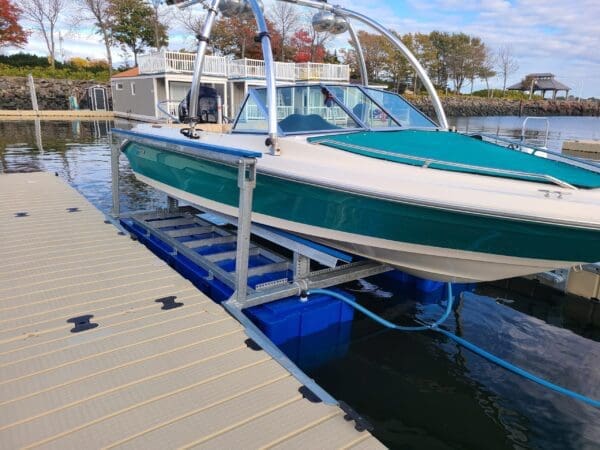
(543, 82)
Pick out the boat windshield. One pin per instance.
(405, 113)
(311, 109)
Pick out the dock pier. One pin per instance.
(102, 344)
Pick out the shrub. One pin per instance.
(46, 72)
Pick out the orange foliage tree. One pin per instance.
(11, 33)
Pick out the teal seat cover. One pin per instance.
(447, 149)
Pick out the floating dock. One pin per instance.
(582, 148)
(16, 114)
(102, 344)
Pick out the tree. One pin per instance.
(100, 14)
(376, 50)
(301, 43)
(441, 43)
(236, 36)
(486, 70)
(131, 27)
(190, 20)
(507, 64)
(318, 41)
(421, 46)
(11, 33)
(156, 23)
(44, 16)
(285, 19)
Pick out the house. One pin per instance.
(161, 80)
(540, 82)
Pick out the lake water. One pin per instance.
(419, 390)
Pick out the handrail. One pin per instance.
(427, 162)
(548, 154)
(545, 119)
(161, 107)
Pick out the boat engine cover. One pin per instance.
(208, 105)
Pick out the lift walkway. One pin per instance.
(103, 345)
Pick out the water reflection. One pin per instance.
(79, 151)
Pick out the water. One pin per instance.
(560, 128)
(419, 390)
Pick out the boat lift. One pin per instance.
(212, 242)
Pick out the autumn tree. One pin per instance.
(301, 43)
(99, 13)
(44, 15)
(376, 49)
(132, 28)
(236, 36)
(11, 32)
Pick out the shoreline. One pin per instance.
(467, 106)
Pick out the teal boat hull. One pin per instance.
(344, 214)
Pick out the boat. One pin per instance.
(362, 170)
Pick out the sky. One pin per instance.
(545, 35)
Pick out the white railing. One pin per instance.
(255, 68)
(178, 62)
(317, 71)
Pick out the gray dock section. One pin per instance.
(144, 377)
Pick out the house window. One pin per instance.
(132, 88)
(119, 86)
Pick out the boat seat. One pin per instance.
(296, 123)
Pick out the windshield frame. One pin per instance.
(362, 126)
(365, 90)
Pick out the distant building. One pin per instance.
(165, 78)
(540, 82)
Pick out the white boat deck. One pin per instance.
(144, 377)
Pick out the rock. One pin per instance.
(51, 94)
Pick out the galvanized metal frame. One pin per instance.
(246, 182)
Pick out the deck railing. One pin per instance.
(178, 62)
(317, 71)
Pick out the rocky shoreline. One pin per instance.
(52, 94)
(466, 106)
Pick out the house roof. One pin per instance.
(128, 73)
(540, 75)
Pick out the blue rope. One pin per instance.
(460, 341)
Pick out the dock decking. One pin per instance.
(143, 377)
